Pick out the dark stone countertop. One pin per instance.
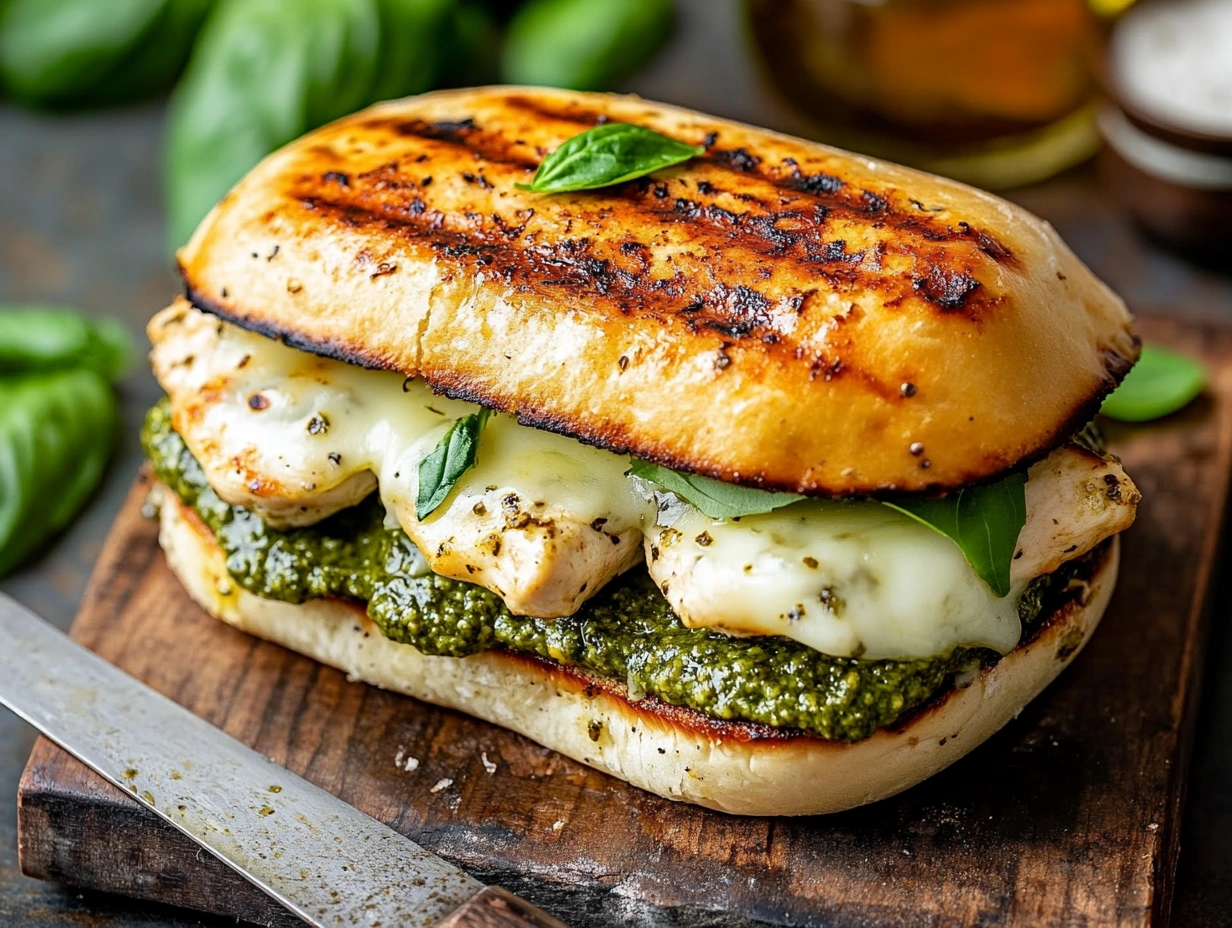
(80, 224)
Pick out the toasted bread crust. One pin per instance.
(774, 313)
(736, 767)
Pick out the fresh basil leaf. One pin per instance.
(452, 457)
(36, 338)
(584, 44)
(70, 53)
(56, 433)
(984, 521)
(1160, 383)
(605, 155)
(714, 498)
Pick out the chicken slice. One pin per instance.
(543, 521)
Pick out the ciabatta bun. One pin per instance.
(678, 753)
(774, 313)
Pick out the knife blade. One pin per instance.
(326, 861)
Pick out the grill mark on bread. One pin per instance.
(839, 198)
(787, 175)
(737, 312)
(709, 274)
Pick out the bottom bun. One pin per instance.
(736, 767)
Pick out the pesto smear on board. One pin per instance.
(627, 632)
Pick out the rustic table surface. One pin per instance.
(80, 224)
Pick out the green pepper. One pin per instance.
(584, 44)
(77, 52)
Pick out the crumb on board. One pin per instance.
(441, 784)
(558, 825)
(410, 764)
(487, 764)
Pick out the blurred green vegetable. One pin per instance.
(472, 47)
(57, 419)
(584, 44)
(40, 339)
(263, 72)
(415, 42)
(266, 71)
(1159, 384)
(501, 10)
(56, 433)
(80, 52)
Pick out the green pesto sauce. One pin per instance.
(627, 632)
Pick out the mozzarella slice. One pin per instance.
(851, 579)
(858, 579)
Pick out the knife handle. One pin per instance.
(494, 907)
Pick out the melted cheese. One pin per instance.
(851, 579)
(546, 522)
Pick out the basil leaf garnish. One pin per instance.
(605, 155)
(714, 498)
(984, 521)
(1160, 383)
(452, 457)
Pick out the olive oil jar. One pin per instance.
(993, 92)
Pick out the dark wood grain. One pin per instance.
(497, 908)
(1069, 816)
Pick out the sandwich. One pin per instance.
(765, 480)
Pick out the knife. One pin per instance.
(326, 861)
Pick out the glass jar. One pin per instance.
(993, 92)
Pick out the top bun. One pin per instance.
(774, 313)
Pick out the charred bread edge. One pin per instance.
(729, 766)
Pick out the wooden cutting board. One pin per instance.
(1070, 816)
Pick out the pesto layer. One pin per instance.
(627, 632)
